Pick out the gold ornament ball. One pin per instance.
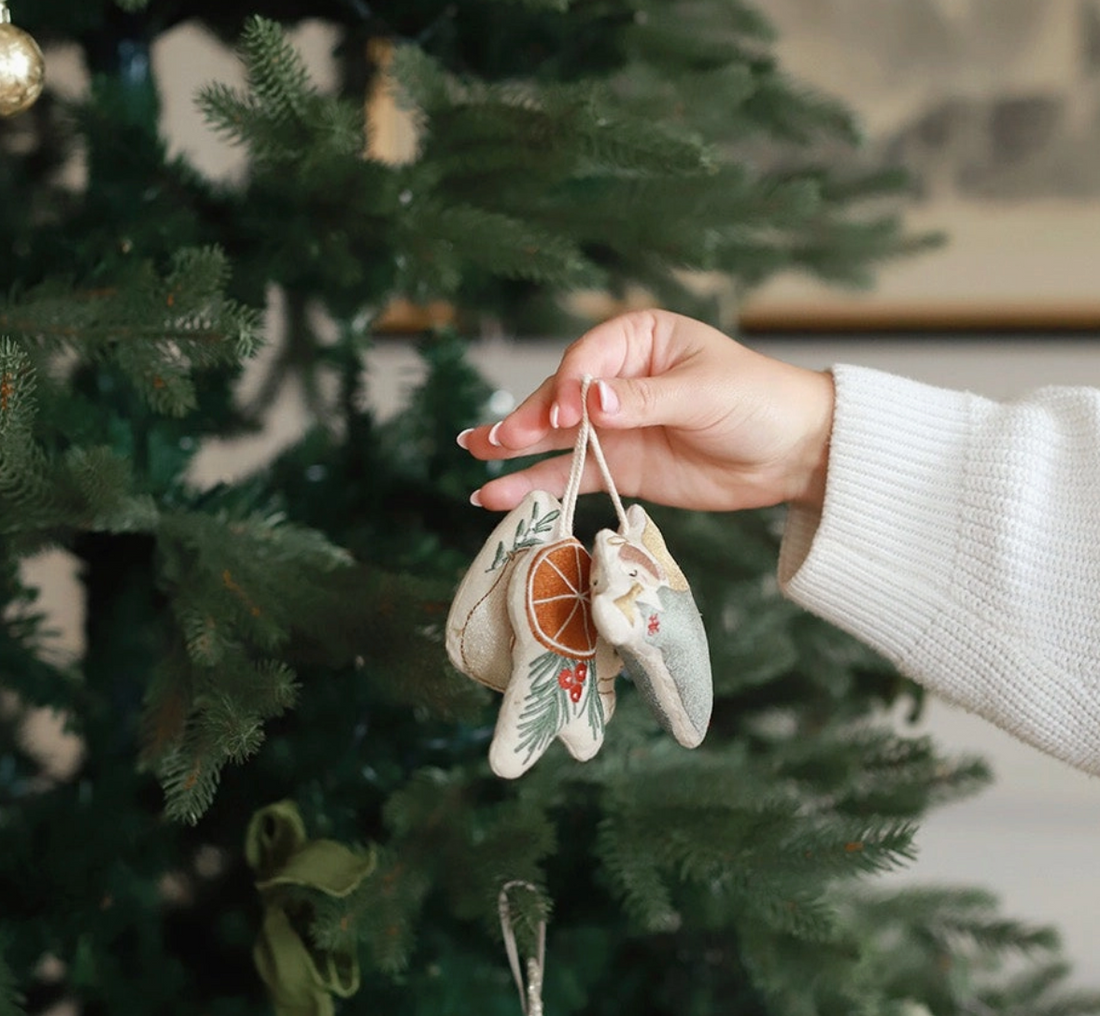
(22, 70)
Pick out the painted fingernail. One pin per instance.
(609, 401)
(493, 439)
(475, 499)
(463, 439)
(555, 416)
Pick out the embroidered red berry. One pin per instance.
(581, 672)
(565, 678)
(575, 693)
(654, 624)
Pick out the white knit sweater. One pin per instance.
(960, 537)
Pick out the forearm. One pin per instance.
(959, 537)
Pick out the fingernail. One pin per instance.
(555, 415)
(609, 401)
(463, 438)
(493, 439)
(475, 499)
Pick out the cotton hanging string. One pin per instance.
(530, 995)
(586, 435)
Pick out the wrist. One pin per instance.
(811, 461)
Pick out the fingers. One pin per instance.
(633, 357)
(505, 492)
(621, 347)
(653, 369)
(524, 431)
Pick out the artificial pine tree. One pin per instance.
(284, 802)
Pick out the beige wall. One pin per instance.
(995, 106)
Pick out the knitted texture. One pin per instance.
(959, 537)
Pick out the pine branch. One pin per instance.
(88, 489)
(280, 117)
(102, 485)
(1041, 992)
(255, 576)
(10, 998)
(277, 75)
(963, 919)
(190, 775)
(512, 844)
(390, 905)
(446, 239)
(224, 724)
(157, 328)
(24, 481)
(166, 706)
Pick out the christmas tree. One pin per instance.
(283, 802)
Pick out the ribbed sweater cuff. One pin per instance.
(889, 526)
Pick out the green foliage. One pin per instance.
(280, 109)
(155, 327)
(9, 997)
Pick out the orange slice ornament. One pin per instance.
(562, 682)
(559, 608)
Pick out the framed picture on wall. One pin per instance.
(994, 106)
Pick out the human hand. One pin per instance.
(687, 417)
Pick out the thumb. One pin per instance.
(626, 403)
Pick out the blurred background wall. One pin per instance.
(994, 105)
(1033, 838)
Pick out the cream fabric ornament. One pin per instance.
(642, 605)
(537, 619)
(563, 672)
(520, 623)
(479, 631)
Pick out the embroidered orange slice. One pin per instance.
(559, 611)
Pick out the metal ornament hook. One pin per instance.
(530, 994)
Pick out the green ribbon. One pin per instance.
(300, 977)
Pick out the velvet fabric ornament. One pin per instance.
(642, 605)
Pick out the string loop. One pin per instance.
(586, 435)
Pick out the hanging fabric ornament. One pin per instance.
(22, 67)
(479, 631)
(563, 672)
(538, 619)
(642, 605)
(481, 639)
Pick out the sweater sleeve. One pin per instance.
(960, 537)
